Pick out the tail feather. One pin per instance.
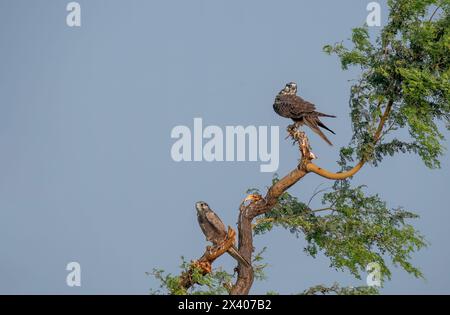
(312, 122)
(324, 115)
(235, 254)
(321, 124)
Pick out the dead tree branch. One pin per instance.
(204, 264)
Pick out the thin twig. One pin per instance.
(324, 209)
(316, 192)
(432, 16)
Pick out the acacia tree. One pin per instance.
(404, 83)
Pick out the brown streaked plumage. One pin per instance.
(288, 104)
(215, 230)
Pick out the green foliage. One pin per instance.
(259, 266)
(337, 290)
(353, 230)
(215, 283)
(408, 65)
(218, 282)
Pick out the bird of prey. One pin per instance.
(288, 104)
(215, 230)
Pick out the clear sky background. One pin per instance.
(85, 118)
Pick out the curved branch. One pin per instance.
(313, 168)
(280, 187)
(435, 11)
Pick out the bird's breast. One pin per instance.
(281, 108)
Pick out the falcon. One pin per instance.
(287, 104)
(215, 230)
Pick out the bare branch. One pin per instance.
(205, 262)
(324, 209)
(435, 11)
(316, 192)
(313, 168)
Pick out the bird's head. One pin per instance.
(289, 89)
(201, 206)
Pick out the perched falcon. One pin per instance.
(215, 230)
(288, 104)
